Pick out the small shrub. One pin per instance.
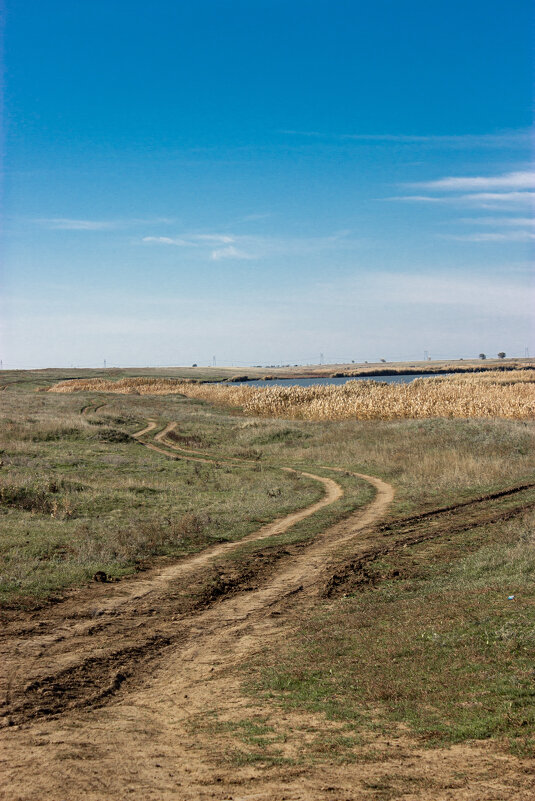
(112, 435)
(27, 498)
(54, 434)
(188, 440)
(287, 436)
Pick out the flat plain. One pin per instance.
(203, 600)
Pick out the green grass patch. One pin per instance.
(444, 651)
(114, 504)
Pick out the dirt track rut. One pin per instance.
(196, 652)
(147, 744)
(40, 664)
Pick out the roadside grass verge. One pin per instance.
(253, 740)
(440, 648)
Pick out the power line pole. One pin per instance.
(213, 361)
(104, 363)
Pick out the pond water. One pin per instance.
(307, 382)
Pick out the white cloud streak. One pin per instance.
(166, 240)
(519, 180)
(508, 236)
(190, 240)
(230, 252)
(484, 200)
(253, 247)
(223, 239)
(504, 139)
(500, 222)
(66, 224)
(70, 224)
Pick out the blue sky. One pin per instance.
(266, 181)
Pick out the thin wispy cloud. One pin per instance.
(508, 236)
(466, 191)
(514, 222)
(73, 224)
(166, 240)
(418, 199)
(190, 240)
(251, 246)
(66, 224)
(484, 200)
(519, 180)
(230, 252)
(221, 238)
(488, 200)
(504, 139)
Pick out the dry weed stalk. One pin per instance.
(489, 395)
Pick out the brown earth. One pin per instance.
(110, 693)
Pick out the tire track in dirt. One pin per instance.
(356, 571)
(91, 408)
(195, 667)
(148, 743)
(118, 608)
(162, 437)
(60, 651)
(151, 425)
(491, 496)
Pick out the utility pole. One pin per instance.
(321, 358)
(104, 363)
(213, 361)
(425, 355)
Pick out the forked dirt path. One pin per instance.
(158, 737)
(65, 636)
(193, 678)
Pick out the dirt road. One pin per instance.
(119, 692)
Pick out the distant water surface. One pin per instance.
(308, 382)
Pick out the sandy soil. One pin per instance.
(112, 694)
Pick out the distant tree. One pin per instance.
(501, 355)
(194, 365)
(383, 361)
(482, 356)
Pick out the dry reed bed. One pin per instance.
(457, 396)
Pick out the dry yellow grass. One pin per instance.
(491, 395)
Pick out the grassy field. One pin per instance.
(438, 637)
(423, 634)
(78, 494)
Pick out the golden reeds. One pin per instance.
(491, 395)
